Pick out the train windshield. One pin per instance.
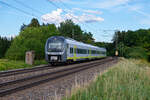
(55, 46)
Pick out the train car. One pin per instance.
(59, 49)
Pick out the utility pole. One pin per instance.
(72, 33)
(116, 44)
(116, 41)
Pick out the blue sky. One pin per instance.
(101, 17)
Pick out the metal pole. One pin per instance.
(116, 53)
(73, 33)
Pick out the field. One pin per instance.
(12, 64)
(127, 80)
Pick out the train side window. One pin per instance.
(77, 50)
(93, 51)
(81, 51)
(71, 50)
(67, 46)
(103, 52)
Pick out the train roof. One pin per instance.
(72, 41)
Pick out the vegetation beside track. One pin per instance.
(127, 80)
(6, 64)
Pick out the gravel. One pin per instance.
(20, 76)
(56, 89)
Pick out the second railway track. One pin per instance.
(25, 70)
(20, 84)
(22, 71)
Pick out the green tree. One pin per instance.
(136, 52)
(88, 38)
(72, 30)
(23, 27)
(4, 45)
(69, 29)
(139, 39)
(31, 38)
(34, 23)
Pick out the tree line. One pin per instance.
(33, 37)
(130, 44)
(4, 45)
(133, 44)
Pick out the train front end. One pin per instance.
(55, 50)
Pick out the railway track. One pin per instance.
(22, 71)
(25, 70)
(21, 84)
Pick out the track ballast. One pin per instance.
(21, 84)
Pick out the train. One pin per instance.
(59, 49)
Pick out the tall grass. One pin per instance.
(128, 80)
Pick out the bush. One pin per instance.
(136, 52)
(31, 38)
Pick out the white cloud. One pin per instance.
(53, 17)
(90, 18)
(111, 3)
(88, 11)
(84, 18)
(57, 16)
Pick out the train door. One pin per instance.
(75, 53)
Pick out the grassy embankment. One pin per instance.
(127, 80)
(10, 64)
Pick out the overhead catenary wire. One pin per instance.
(20, 10)
(52, 3)
(63, 4)
(66, 6)
(29, 7)
(92, 25)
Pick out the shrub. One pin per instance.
(136, 52)
(31, 38)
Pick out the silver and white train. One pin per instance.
(60, 49)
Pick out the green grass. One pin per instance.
(11, 64)
(128, 80)
(39, 62)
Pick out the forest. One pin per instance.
(4, 45)
(133, 44)
(130, 44)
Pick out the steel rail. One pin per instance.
(27, 70)
(21, 84)
(22, 71)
